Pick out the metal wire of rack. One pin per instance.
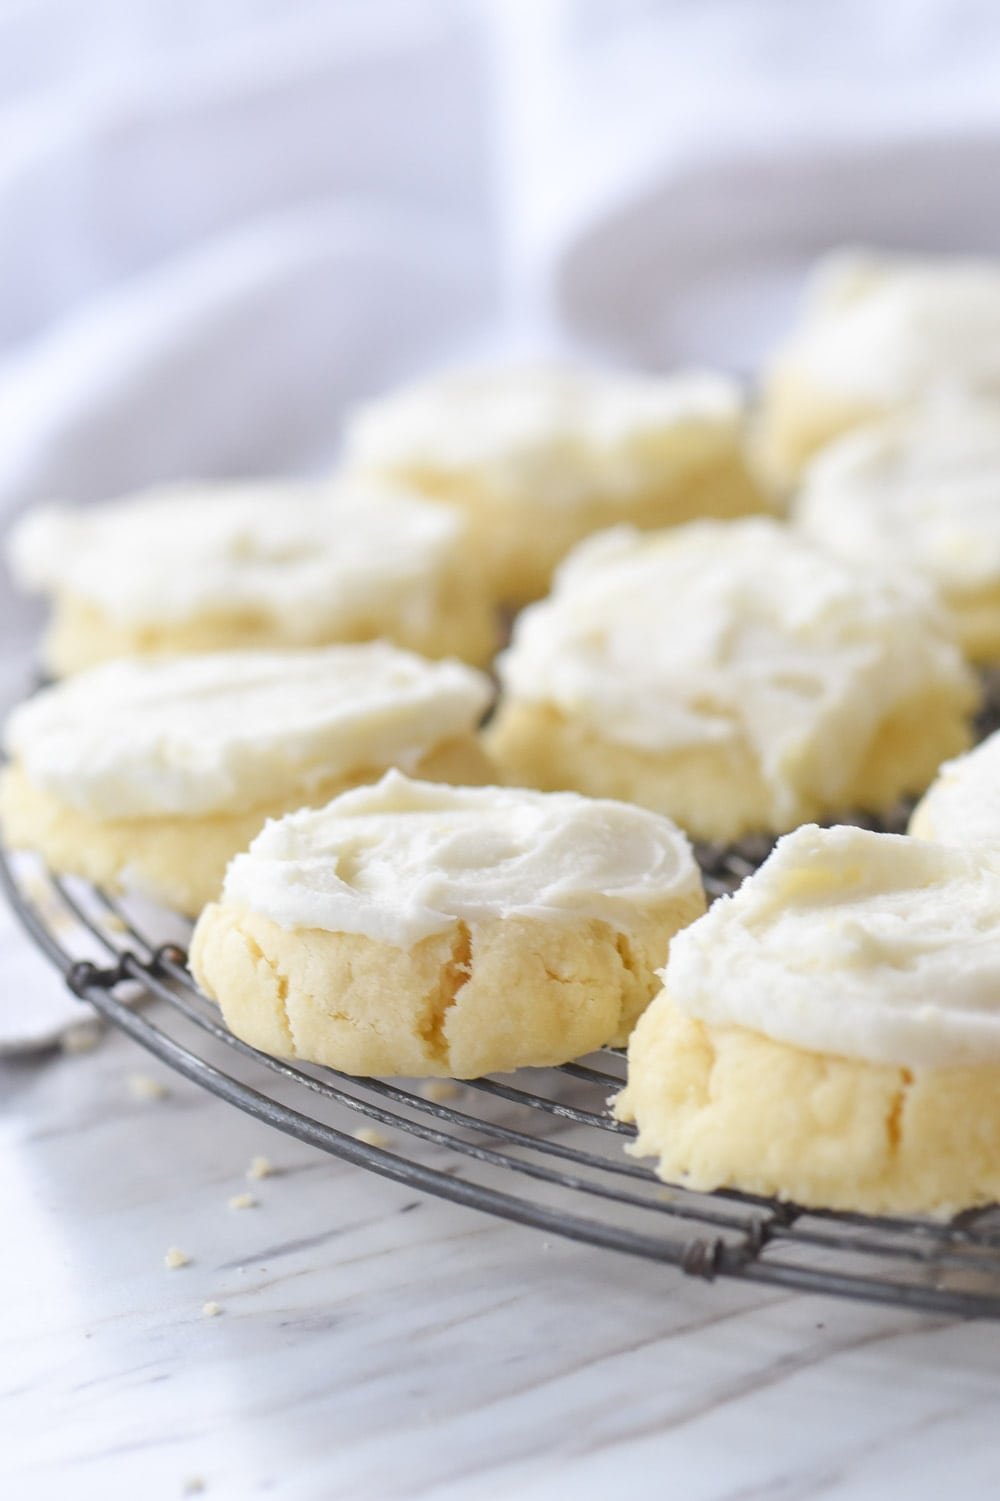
(538, 1148)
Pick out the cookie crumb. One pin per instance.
(439, 1091)
(175, 1257)
(81, 1038)
(665, 1196)
(193, 1486)
(211, 1309)
(372, 1137)
(115, 923)
(261, 1167)
(243, 1201)
(145, 1087)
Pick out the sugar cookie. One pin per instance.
(921, 490)
(734, 676)
(416, 929)
(878, 333)
(536, 459)
(151, 773)
(219, 567)
(831, 1033)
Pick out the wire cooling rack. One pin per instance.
(537, 1147)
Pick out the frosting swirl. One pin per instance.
(870, 946)
(715, 632)
(400, 860)
(921, 488)
(886, 330)
(314, 554)
(224, 732)
(558, 434)
(962, 805)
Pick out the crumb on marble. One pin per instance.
(145, 1087)
(439, 1091)
(372, 1137)
(243, 1201)
(193, 1486)
(211, 1309)
(81, 1038)
(175, 1258)
(261, 1167)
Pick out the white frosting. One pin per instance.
(310, 555)
(721, 631)
(401, 860)
(963, 804)
(869, 946)
(886, 329)
(554, 434)
(922, 488)
(225, 732)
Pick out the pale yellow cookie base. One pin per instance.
(461, 623)
(794, 421)
(717, 792)
(181, 862)
(521, 539)
(729, 1108)
(486, 997)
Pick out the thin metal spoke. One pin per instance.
(551, 1107)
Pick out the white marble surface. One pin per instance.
(373, 1345)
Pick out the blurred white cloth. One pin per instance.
(225, 220)
(222, 222)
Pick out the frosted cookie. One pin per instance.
(921, 489)
(416, 929)
(732, 675)
(216, 567)
(878, 333)
(537, 458)
(831, 1033)
(962, 805)
(150, 774)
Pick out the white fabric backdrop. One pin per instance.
(223, 220)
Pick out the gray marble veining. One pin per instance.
(373, 1345)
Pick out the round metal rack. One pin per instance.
(538, 1147)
